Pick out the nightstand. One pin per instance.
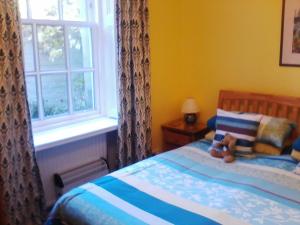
(177, 133)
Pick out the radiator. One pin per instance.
(74, 177)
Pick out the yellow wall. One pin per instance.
(224, 44)
(168, 88)
(235, 44)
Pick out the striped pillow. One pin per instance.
(241, 126)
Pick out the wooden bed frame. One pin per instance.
(273, 105)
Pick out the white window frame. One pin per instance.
(102, 103)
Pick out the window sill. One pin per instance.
(70, 133)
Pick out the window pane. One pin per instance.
(32, 96)
(28, 48)
(51, 47)
(74, 10)
(23, 8)
(83, 91)
(42, 9)
(55, 94)
(80, 47)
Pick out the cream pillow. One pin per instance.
(210, 135)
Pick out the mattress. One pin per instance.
(187, 186)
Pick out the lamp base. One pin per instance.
(190, 118)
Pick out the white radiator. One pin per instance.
(74, 177)
(60, 159)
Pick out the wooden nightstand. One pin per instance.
(176, 133)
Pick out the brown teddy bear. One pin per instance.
(225, 148)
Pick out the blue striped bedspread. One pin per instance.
(187, 186)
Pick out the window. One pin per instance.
(69, 59)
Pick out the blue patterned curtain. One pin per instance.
(134, 133)
(21, 194)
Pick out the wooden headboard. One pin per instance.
(273, 105)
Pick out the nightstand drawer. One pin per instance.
(177, 133)
(176, 138)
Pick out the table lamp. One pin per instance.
(190, 109)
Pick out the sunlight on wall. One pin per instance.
(235, 45)
(204, 46)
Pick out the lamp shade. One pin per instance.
(190, 106)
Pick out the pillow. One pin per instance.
(211, 123)
(272, 150)
(241, 126)
(266, 149)
(210, 136)
(274, 131)
(296, 150)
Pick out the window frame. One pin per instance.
(98, 67)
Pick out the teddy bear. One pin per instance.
(224, 149)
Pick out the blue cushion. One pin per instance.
(296, 150)
(296, 144)
(211, 123)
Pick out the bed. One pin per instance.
(188, 186)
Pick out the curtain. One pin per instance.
(134, 129)
(21, 194)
